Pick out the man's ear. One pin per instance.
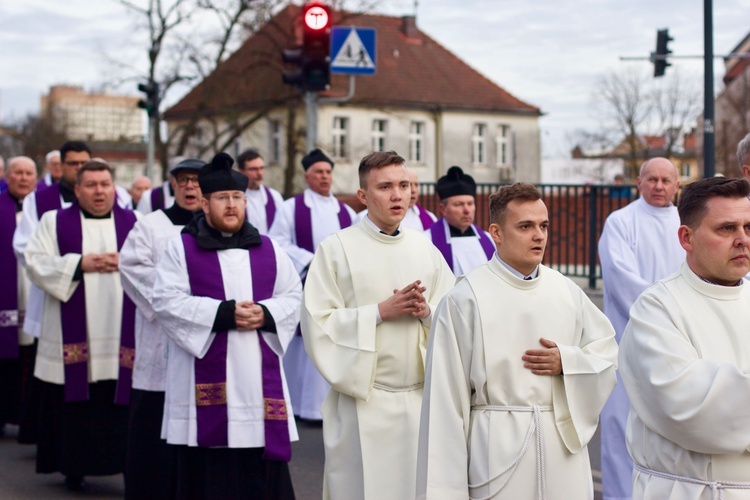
(685, 235)
(361, 196)
(496, 233)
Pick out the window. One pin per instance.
(478, 146)
(685, 170)
(416, 142)
(274, 146)
(340, 139)
(503, 141)
(379, 128)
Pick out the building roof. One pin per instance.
(413, 71)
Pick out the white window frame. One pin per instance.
(379, 134)
(479, 144)
(275, 135)
(340, 136)
(416, 141)
(504, 145)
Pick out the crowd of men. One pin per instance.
(177, 342)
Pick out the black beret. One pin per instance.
(455, 183)
(315, 156)
(219, 176)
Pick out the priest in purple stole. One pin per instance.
(262, 201)
(301, 224)
(16, 346)
(463, 244)
(228, 298)
(84, 356)
(150, 460)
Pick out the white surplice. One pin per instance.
(685, 362)
(139, 257)
(256, 207)
(638, 246)
(468, 252)
(376, 371)
(306, 386)
(53, 274)
(144, 204)
(188, 320)
(480, 403)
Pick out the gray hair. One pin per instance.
(48, 157)
(743, 151)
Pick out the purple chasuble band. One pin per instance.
(424, 217)
(440, 240)
(124, 222)
(270, 208)
(303, 222)
(9, 315)
(157, 198)
(204, 271)
(73, 312)
(48, 199)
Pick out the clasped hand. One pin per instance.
(248, 316)
(543, 361)
(100, 262)
(409, 301)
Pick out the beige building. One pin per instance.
(423, 102)
(95, 116)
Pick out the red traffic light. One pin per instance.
(316, 16)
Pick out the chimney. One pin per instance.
(409, 26)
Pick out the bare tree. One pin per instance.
(625, 103)
(677, 102)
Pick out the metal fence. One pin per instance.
(577, 214)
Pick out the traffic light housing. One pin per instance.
(662, 51)
(313, 71)
(151, 102)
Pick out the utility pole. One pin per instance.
(709, 137)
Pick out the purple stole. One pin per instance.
(440, 240)
(424, 217)
(204, 271)
(48, 199)
(303, 222)
(157, 198)
(9, 316)
(270, 208)
(73, 312)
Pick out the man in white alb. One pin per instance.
(638, 246)
(685, 357)
(519, 365)
(365, 321)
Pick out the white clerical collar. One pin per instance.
(320, 196)
(515, 273)
(376, 228)
(658, 211)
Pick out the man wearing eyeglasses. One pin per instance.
(262, 201)
(149, 460)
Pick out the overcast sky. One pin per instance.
(546, 52)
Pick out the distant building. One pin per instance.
(732, 110)
(423, 102)
(93, 116)
(632, 152)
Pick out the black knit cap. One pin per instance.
(455, 183)
(187, 164)
(219, 176)
(315, 156)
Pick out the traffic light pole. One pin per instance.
(311, 119)
(152, 124)
(709, 139)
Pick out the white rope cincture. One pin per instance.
(388, 388)
(717, 487)
(534, 426)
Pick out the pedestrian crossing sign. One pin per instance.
(353, 50)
